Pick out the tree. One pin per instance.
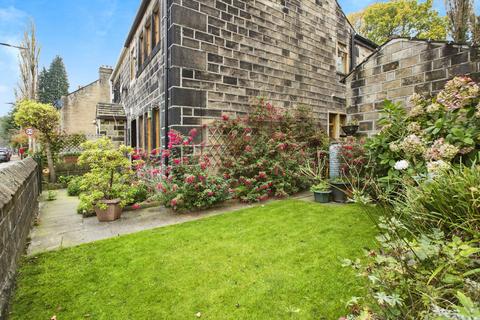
(28, 63)
(459, 13)
(45, 119)
(53, 83)
(382, 21)
(8, 127)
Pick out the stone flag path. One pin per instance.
(60, 226)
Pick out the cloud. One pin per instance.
(12, 25)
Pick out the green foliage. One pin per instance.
(51, 195)
(269, 152)
(418, 277)
(435, 133)
(53, 84)
(188, 183)
(8, 127)
(42, 117)
(450, 201)
(320, 187)
(277, 261)
(110, 176)
(382, 21)
(74, 186)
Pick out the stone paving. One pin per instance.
(59, 225)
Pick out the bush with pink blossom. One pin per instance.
(442, 128)
(264, 151)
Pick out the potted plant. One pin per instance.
(351, 127)
(109, 180)
(321, 192)
(339, 190)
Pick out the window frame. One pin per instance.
(340, 120)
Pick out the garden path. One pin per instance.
(60, 226)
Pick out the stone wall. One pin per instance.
(79, 107)
(401, 68)
(114, 129)
(19, 189)
(223, 54)
(226, 53)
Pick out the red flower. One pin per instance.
(136, 206)
(203, 165)
(262, 175)
(177, 161)
(211, 194)
(225, 117)
(173, 203)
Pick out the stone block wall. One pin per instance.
(401, 68)
(79, 107)
(225, 53)
(218, 56)
(114, 129)
(19, 190)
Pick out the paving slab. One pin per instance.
(59, 225)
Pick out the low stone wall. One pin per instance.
(19, 190)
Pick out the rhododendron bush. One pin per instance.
(187, 181)
(264, 151)
(431, 135)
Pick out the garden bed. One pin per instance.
(275, 261)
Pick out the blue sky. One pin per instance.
(86, 33)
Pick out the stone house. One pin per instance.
(401, 67)
(79, 108)
(186, 62)
(111, 122)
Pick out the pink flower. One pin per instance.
(225, 117)
(177, 161)
(203, 165)
(174, 202)
(190, 179)
(193, 133)
(160, 187)
(262, 175)
(248, 149)
(136, 206)
(211, 193)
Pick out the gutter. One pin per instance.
(166, 70)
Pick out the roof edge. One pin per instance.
(136, 22)
(447, 42)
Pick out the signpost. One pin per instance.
(29, 132)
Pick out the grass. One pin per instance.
(278, 261)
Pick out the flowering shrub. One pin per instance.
(424, 277)
(110, 176)
(433, 133)
(265, 150)
(187, 182)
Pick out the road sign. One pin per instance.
(29, 131)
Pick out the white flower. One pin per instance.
(401, 165)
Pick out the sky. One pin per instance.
(85, 33)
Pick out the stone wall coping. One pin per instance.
(12, 176)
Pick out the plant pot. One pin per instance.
(350, 130)
(339, 192)
(111, 213)
(322, 196)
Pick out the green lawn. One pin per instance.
(278, 261)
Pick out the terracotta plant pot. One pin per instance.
(111, 213)
(350, 130)
(322, 196)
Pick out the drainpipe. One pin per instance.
(166, 69)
